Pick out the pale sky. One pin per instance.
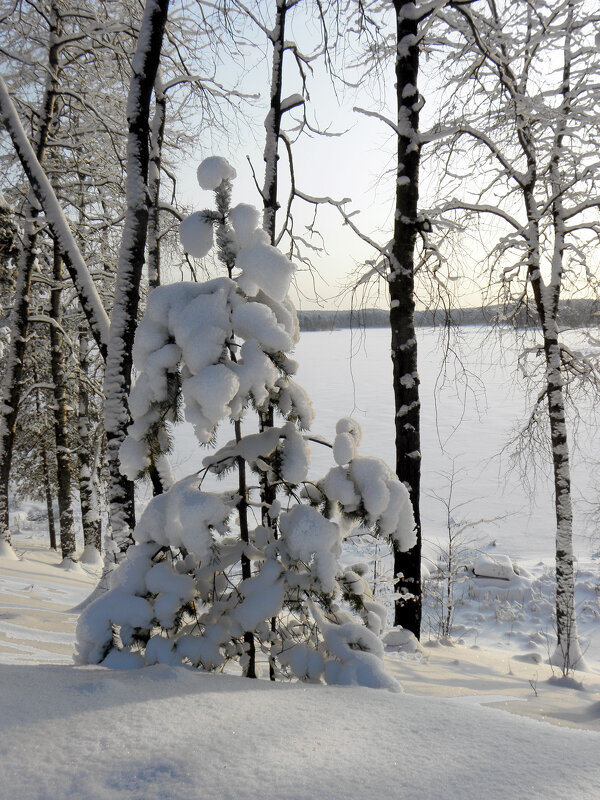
(356, 165)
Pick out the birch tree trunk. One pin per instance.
(129, 272)
(10, 391)
(63, 450)
(567, 654)
(273, 123)
(407, 566)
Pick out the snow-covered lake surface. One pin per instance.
(473, 402)
(472, 719)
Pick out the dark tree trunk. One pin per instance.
(268, 492)
(242, 506)
(407, 566)
(157, 131)
(273, 123)
(129, 273)
(49, 507)
(90, 513)
(63, 450)
(13, 363)
(156, 144)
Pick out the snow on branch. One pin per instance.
(88, 296)
(204, 585)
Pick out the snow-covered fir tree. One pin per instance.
(206, 582)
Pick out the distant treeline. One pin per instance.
(573, 314)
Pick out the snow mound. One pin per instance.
(401, 640)
(7, 552)
(497, 566)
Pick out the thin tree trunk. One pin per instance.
(10, 392)
(49, 507)
(157, 131)
(227, 258)
(47, 481)
(273, 123)
(90, 512)
(268, 492)
(407, 566)
(156, 143)
(130, 268)
(568, 653)
(63, 450)
(46, 474)
(242, 506)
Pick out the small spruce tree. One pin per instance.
(208, 583)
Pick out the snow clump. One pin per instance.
(196, 235)
(213, 171)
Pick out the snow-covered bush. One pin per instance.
(220, 577)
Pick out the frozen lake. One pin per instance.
(473, 401)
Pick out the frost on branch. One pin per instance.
(208, 583)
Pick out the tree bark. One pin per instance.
(129, 271)
(49, 507)
(90, 512)
(157, 131)
(63, 450)
(273, 123)
(407, 566)
(268, 492)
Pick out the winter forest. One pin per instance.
(300, 368)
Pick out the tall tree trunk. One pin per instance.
(273, 122)
(47, 479)
(129, 272)
(568, 654)
(227, 258)
(90, 511)
(63, 450)
(49, 505)
(157, 131)
(407, 566)
(268, 492)
(242, 506)
(10, 392)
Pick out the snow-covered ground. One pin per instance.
(470, 722)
